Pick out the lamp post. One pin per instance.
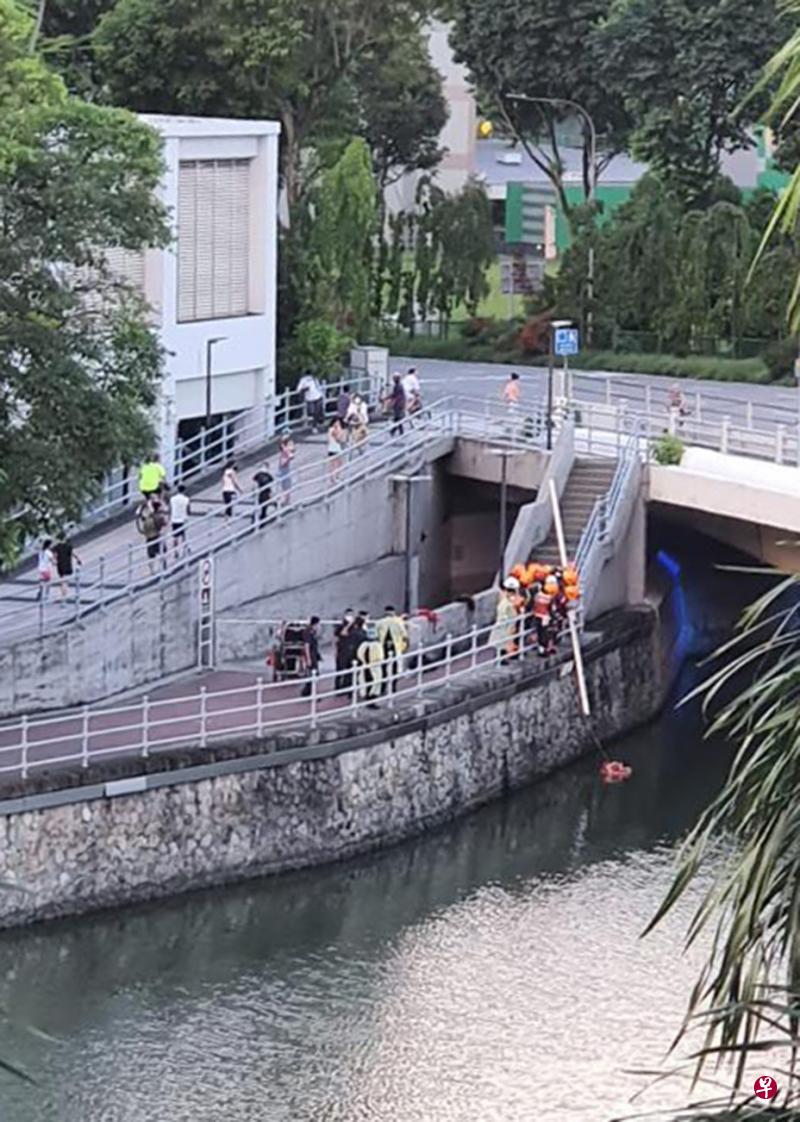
(504, 454)
(555, 325)
(409, 481)
(592, 185)
(210, 344)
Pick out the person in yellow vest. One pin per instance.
(152, 476)
(393, 637)
(505, 633)
(369, 657)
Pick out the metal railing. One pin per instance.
(118, 573)
(147, 726)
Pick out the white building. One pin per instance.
(214, 291)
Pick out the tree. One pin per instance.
(543, 49)
(76, 375)
(684, 69)
(345, 221)
(402, 108)
(287, 59)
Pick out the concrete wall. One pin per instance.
(144, 637)
(306, 800)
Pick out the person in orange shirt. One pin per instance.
(511, 390)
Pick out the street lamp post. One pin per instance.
(554, 326)
(592, 186)
(210, 344)
(504, 455)
(409, 481)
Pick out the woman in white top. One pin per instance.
(337, 436)
(45, 567)
(231, 487)
(357, 420)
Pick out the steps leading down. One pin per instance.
(589, 480)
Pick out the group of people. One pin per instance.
(56, 561)
(532, 609)
(161, 508)
(369, 654)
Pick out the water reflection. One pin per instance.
(491, 971)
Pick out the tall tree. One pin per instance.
(683, 69)
(287, 59)
(542, 49)
(402, 108)
(76, 375)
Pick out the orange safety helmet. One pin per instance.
(519, 572)
(572, 592)
(551, 585)
(570, 575)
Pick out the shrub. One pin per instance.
(668, 450)
(534, 338)
(779, 358)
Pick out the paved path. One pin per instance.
(770, 404)
(173, 716)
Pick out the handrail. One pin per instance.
(148, 726)
(115, 575)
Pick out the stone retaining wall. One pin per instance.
(303, 801)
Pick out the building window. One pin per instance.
(213, 239)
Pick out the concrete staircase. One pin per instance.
(589, 480)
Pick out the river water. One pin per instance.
(491, 972)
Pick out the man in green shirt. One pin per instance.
(151, 476)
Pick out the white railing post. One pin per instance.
(698, 406)
(145, 727)
(260, 707)
(130, 563)
(203, 716)
(648, 399)
(23, 747)
(420, 670)
(672, 424)
(314, 677)
(448, 658)
(609, 395)
(356, 683)
(620, 424)
(725, 434)
(473, 646)
(749, 414)
(780, 444)
(85, 736)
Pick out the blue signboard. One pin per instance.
(567, 341)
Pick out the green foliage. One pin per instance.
(668, 450)
(543, 48)
(317, 347)
(345, 210)
(683, 70)
(746, 994)
(402, 106)
(74, 377)
(682, 275)
(292, 60)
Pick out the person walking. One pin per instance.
(45, 567)
(151, 518)
(311, 652)
(180, 508)
(347, 638)
(231, 487)
(314, 397)
(369, 656)
(393, 637)
(357, 421)
(337, 435)
(65, 556)
(343, 404)
(152, 476)
(413, 391)
(286, 454)
(263, 480)
(397, 405)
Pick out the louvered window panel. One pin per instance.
(213, 239)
